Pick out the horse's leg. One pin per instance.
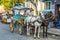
(11, 27)
(46, 30)
(35, 32)
(38, 31)
(20, 29)
(28, 30)
(43, 31)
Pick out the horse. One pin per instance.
(33, 20)
(17, 22)
(48, 18)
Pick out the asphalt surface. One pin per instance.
(5, 34)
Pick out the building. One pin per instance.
(49, 5)
(58, 9)
(39, 3)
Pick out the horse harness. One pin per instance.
(34, 21)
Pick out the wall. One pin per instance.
(57, 1)
(40, 6)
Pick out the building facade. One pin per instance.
(49, 5)
(39, 3)
(58, 9)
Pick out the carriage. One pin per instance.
(18, 18)
(22, 18)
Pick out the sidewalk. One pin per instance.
(54, 31)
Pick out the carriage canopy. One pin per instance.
(20, 12)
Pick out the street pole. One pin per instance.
(55, 7)
(55, 10)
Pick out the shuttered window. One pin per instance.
(47, 4)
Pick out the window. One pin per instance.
(47, 4)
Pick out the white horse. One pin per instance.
(36, 21)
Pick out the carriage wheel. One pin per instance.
(11, 27)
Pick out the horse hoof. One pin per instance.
(38, 37)
(19, 33)
(28, 34)
(11, 31)
(34, 37)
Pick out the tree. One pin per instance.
(22, 1)
(7, 4)
(17, 1)
(35, 4)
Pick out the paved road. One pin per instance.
(5, 34)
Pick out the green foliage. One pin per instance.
(21, 1)
(9, 3)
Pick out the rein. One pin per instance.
(35, 20)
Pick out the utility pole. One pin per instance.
(55, 6)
